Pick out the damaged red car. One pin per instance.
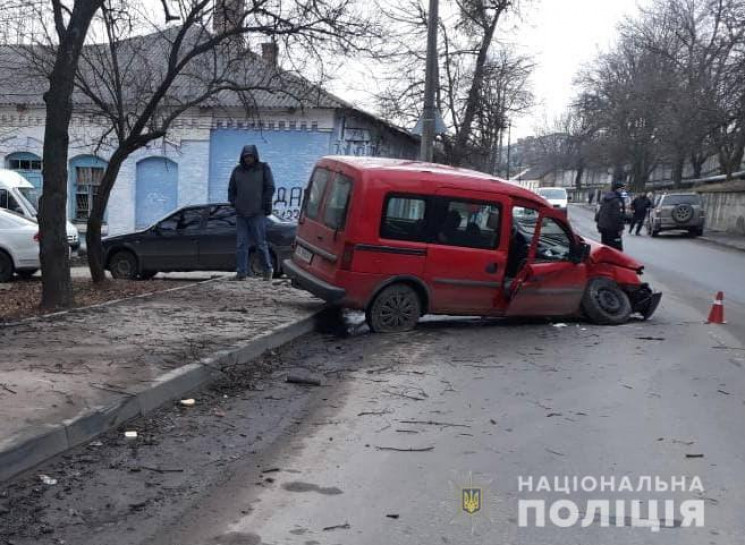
(400, 239)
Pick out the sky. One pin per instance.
(560, 35)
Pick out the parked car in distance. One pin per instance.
(399, 239)
(18, 195)
(19, 246)
(677, 212)
(556, 197)
(193, 238)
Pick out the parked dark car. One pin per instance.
(193, 238)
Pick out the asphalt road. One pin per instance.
(381, 452)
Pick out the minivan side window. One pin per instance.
(315, 192)
(335, 213)
(554, 243)
(8, 201)
(470, 224)
(403, 218)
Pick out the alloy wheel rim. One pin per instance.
(396, 311)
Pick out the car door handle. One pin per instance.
(492, 268)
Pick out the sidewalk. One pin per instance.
(65, 379)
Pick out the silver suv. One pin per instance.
(677, 212)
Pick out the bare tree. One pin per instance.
(58, 49)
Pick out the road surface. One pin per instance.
(381, 453)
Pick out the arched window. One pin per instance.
(27, 165)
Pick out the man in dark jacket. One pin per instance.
(250, 191)
(640, 205)
(610, 216)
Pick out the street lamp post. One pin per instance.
(428, 114)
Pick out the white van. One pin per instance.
(556, 197)
(19, 196)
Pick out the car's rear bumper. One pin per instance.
(316, 286)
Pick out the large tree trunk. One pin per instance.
(95, 220)
(56, 291)
(677, 173)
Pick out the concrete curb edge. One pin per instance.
(26, 450)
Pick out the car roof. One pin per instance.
(463, 178)
(17, 219)
(10, 178)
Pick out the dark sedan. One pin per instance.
(193, 238)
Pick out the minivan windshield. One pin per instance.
(553, 193)
(32, 195)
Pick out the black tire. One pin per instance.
(123, 265)
(26, 273)
(682, 213)
(6, 267)
(605, 303)
(254, 264)
(147, 275)
(395, 309)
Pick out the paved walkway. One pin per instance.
(56, 370)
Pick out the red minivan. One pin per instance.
(400, 239)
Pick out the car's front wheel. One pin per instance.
(26, 273)
(396, 309)
(6, 267)
(605, 303)
(123, 265)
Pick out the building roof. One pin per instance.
(144, 60)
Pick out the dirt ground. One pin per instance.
(20, 299)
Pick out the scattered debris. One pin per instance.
(345, 526)
(423, 449)
(627, 386)
(556, 452)
(6, 388)
(47, 480)
(559, 325)
(130, 434)
(271, 470)
(161, 469)
(187, 402)
(549, 415)
(416, 394)
(95, 444)
(434, 423)
(723, 392)
(694, 455)
(650, 338)
(493, 421)
(375, 413)
(303, 379)
(392, 515)
(686, 443)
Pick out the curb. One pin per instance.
(720, 243)
(25, 450)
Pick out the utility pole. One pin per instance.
(428, 114)
(509, 133)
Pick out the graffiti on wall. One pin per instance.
(287, 201)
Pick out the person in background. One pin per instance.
(610, 216)
(640, 206)
(250, 191)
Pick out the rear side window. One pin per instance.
(674, 200)
(469, 224)
(315, 192)
(335, 213)
(403, 218)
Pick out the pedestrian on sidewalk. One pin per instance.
(640, 206)
(610, 216)
(250, 191)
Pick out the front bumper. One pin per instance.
(644, 300)
(308, 282)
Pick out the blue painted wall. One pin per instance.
(156, 192)
(291, 154)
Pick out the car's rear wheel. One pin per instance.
(6, 267)
(123, 265)
(605, 303)
(394, 310)
(26, 273)
(256, 267)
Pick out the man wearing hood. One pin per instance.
(610, 216)
(250, 191)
